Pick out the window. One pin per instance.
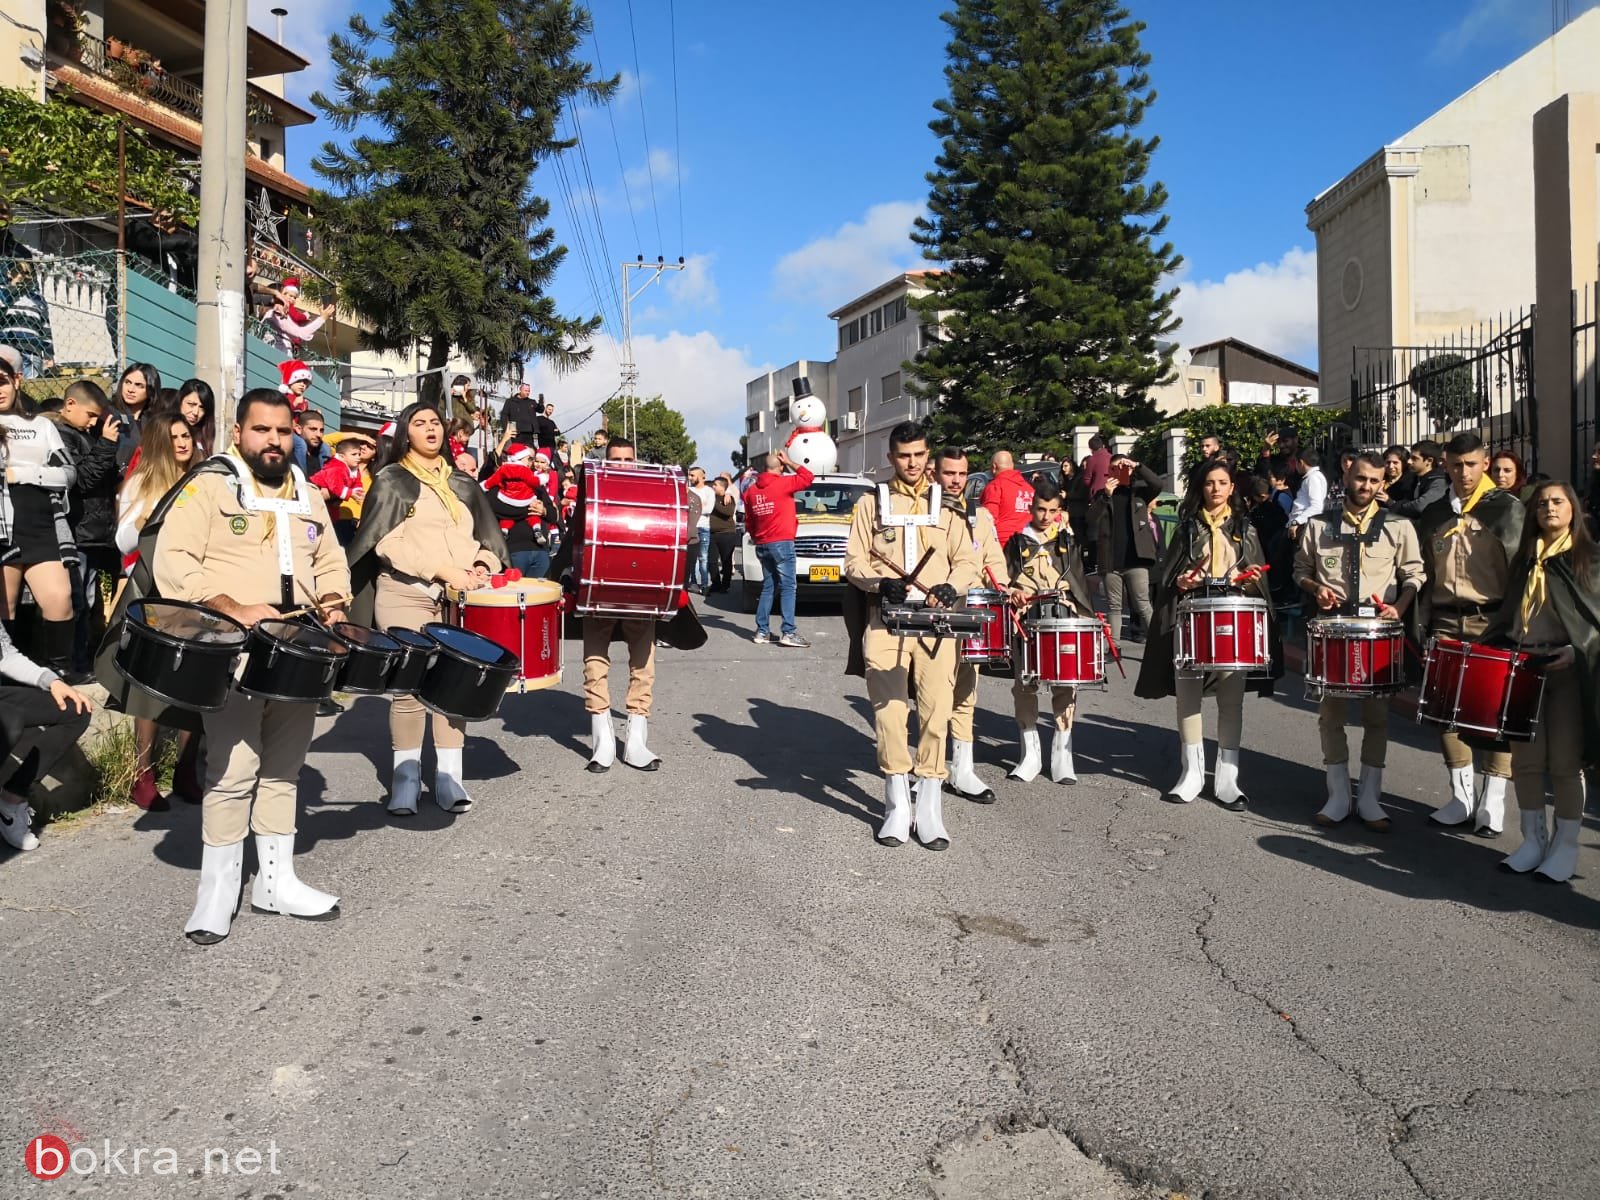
(267, 149)
(783, 412)
(752, 423)
(857, 399)
(830, 499)
(890, 389)
(927, 335)
(877, 320)
(1197, 387)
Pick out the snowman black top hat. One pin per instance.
(802, 386)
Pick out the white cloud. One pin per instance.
(1272, 305)
(1498, 21)
(859, 255)
(660, 171)
(306, 30)
(693, 372)
(693, 286)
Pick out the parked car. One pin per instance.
(823, 511)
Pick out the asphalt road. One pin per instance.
(711, 982)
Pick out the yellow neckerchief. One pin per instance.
(1217, 536)
(1362, 519)
(1535, 593)
(1484, 486)
(435, 479)
(916, 491)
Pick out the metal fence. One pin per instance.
(1585, 384)
(1478, 379)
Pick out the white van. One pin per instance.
(823, 513)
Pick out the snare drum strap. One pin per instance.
(296, 505)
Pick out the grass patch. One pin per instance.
(114, 759)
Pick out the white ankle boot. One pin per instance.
(221, 872)
(896, 827)
(605, 743)
(1192, 780)
(1338, 806)
(1061, 768)
(448, 791)
(1535, 843)
(407, 783)
(1368, 805)
(1027, 770)
(964, 778)
(1561, 859)
(277, 890)
(930, 814)
(1489, 818)
(1225, 785)
(634, 752)
(1459, 810)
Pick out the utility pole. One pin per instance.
(630, 369)
(220, 309)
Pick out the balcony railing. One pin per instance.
(135, 71)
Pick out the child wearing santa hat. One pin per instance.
(523, 506)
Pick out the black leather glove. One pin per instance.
(892, 591)
(945, 594)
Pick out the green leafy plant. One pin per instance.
(660, 434)
(1446, 384)
(1243, 428)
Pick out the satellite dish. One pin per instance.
(1181, 357)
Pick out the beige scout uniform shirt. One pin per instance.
(991, 555)
(1038, 572)
(211, 545)
(428, 541)
(954, 561)
(1388, 565)
(1469, 566)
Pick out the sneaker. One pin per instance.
(795, 640)
(16, 820)
(762, 638)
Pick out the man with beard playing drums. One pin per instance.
(1043, 558)
(952, 478)
(1360, 563)
(1469, 537)
(1212, 556)
(249, 542)
(905, 549)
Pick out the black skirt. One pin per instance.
(33, 527)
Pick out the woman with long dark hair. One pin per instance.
(135, 398)
(1212, 546)
(1552, 608)
(198, 406)
(425, 526)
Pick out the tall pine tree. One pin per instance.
(431, 222)
(1051, 300)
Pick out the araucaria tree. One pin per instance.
(1050, 298)
(430, 220)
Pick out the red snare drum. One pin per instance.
(1064, 652)
(632, 556)
(1481, 689)
(1356, 657)
(523, 617)
(1222, 633)
(992, 644)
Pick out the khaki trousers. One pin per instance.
(1557, 751)
(640, 634)
(964, 703)
(1374, 730)
(1025, 701)
(405, 606)
(1228, 688)
(892, 663)
(254, 751)
(1457, 754)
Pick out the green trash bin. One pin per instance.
(1167, 517)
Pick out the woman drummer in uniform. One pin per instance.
(1552, 609)
(425, 526)
(1214, 540)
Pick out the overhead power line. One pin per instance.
(677, 128)
(649, 167)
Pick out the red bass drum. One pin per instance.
(633, 554)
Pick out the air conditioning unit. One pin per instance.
(850, 420)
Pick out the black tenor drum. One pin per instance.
(470, 675)
(294, 663)
(371, 660)
(183, 654)
(411, 665)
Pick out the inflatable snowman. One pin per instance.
(809, 445)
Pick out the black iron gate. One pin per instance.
(1480, 379)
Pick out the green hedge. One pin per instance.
(1244, 428)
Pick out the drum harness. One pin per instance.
(1353, 542)
(911, 548)
(280, 507)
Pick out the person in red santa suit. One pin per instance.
(521, 500)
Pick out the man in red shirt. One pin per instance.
(771, 521)
(1008, 497)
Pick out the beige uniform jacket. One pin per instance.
(954, 561)
(991, 555)
(1389, 563)
(211, 545)
(428, 541)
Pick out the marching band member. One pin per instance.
(243, 535)
(900, 531)
(952, 477)
(1552, 606)
(1343, 558)
(1468, 537)
(425, 526)
(1214, 540)
(1043, 557)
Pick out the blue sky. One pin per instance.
(799, 133)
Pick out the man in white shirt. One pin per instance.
(700, 567)
(1313, 494)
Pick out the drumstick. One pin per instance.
(1015, 619)
(337, 602)
(911, 577)
(1116, 655)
